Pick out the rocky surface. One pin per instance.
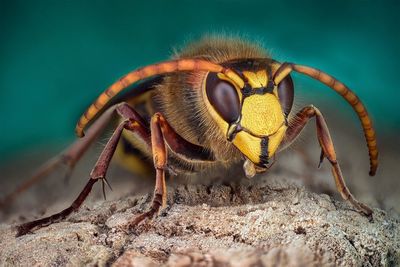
(271, 222)
(292, 216)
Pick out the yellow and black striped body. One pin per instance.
(218, 104)
(180, 99)
(180, 95)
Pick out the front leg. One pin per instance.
(159, 151)
(327, 150)
(163, 136)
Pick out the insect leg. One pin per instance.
(159, 151)
(327, 150)
(75, 151)
(347, 94)
(133, 123)
(69, 157)
(163, 135)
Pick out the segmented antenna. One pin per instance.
(146, 72)
(347, 94)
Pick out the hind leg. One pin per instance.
(73, 153)
(132, 123)
(157, 137)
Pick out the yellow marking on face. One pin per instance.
(249, 145)
(275, 140)
(262, 77)
(252, 79)
(275, 91)
(234, 78)
(256, 79)
(262, 114)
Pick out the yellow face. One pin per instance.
(256, 123)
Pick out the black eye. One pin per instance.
(223, 97)
(286, 93)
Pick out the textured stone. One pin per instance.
(271, 222)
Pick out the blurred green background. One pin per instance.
(57, 56)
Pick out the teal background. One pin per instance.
(57, 56)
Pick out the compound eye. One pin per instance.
(286, 94)
(223, 97)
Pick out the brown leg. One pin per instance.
(74, 152)
(159, 151)
(69, 157)
(327, 151)
(133, 123)
(160, 133)
(163, 134)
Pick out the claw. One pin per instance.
(103, 189)
(103, 182)
(321, 158)
(108, 184)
